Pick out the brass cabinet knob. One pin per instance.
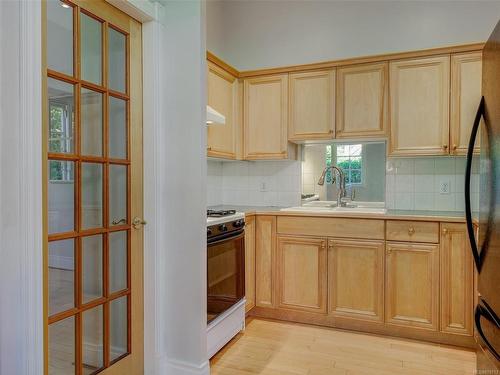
(138, 222)
(411, 231)
(454, 147)
(445, 231)
(445, 147)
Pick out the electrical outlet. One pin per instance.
(444, 187)
(263, 186)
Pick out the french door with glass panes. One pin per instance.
(93, 189)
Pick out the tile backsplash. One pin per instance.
(417, 184)
(411, 183)
(254, 183)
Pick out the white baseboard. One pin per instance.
(174, 367)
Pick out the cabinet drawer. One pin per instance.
(332, 227)
(415, 231)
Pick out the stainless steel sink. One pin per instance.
(331, 206)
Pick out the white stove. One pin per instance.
(223, 216)
(226, 295)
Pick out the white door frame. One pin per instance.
(21, 215)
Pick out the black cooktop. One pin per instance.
(220, 213)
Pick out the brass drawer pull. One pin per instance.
(411, 231)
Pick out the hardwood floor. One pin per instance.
(280, 348)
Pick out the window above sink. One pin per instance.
(362, 162)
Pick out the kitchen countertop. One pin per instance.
(449, 216)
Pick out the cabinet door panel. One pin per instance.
(266, 117)
(221, 87)
(250, 262)
(312, 105)
(362, 101)
(265, 258)
(419, 91)
(302, 273)
(356, 279)
(466, 71)
(457, 280)
(412, 284)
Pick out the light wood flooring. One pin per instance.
(279, 348)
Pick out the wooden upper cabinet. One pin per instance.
(412, 285)
(250, 262)
(221, 139)
(356, 279)
(302, 273)
(265, 117)
(362, 92)
(419, 97)
(457, 280)
(466, 73)
(312, 105)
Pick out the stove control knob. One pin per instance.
(238, 223)
(209, 232)
(223, 227)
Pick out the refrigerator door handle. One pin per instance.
(485, 311)
(468, 171)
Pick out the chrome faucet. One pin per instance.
(342, 190)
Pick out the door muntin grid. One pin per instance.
(88, 268)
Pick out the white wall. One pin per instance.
(21, 314)
(257, 34)
(175, 190)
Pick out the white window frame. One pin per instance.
(347, 172)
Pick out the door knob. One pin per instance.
(138, 222)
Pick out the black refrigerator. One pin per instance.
(485, 242)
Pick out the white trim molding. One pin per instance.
(21, 276)
(174, 367)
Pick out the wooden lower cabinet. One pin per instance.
(421, 290)
(302, 273)
(412, 285)
(250, 262)
(265, 260)
(457, 280)
(356, 279)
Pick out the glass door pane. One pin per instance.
(60, 37)
(91, 122)
(61, 116)
(92, 191)
(62, 347)
(117, 51)
(91, 49)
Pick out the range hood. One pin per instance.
(214, 117)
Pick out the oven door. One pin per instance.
(225, 273)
